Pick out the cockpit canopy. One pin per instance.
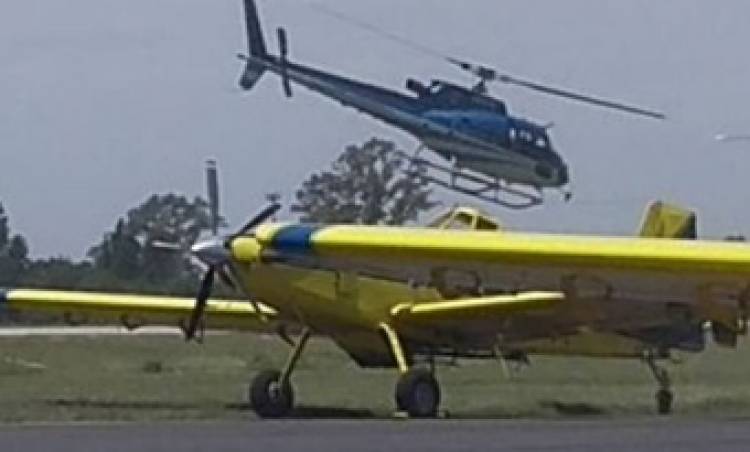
(461, 217)
(525, 135)
(444, 95)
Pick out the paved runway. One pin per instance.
(647, 434)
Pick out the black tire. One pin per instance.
(268, 399)
(418, 394)
(664, 399)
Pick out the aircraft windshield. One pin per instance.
(530, 139)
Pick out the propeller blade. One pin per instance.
(224, 275)
(258, 219)
(212, 185)
(486, 73)
(200, 304)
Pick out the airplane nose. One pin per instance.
(211, 252)
(245, 249)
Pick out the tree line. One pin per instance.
(364, 185)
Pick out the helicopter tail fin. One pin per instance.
(255, 66)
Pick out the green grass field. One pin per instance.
(163, 378)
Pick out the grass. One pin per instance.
(161, 378)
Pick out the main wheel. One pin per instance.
(418, 393)
(268, 398)
(664, 399)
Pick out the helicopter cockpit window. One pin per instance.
(541, 143)
(526, 136)
(436, 87)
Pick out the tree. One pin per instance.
(127, 257)
(14, 253)
(366, 185)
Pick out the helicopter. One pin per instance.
(488, 153)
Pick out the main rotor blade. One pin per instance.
(259, 218)
(200, 304)
(728, 138)
(487, 73)
(212, 186)
(490, 74)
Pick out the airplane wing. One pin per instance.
(480, 307)
(674, 281)
(138, 310)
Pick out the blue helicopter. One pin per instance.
(491, 154)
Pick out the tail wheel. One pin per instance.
(664, 399)
(268, 397)
(418, 393)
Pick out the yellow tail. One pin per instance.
(662, 220)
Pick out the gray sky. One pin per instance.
(105, 102)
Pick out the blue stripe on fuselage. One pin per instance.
(294, 239)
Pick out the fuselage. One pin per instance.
(469, 129)
(657, 292)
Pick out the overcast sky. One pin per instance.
(104, 102)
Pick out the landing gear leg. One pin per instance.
(664, 396)
(417, 389)
(271, 392)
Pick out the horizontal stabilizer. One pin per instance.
(478, 307)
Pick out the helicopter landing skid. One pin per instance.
(486, 189)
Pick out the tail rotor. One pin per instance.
(283, 61)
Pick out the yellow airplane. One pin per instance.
(461, 287)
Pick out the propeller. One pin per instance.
(283, 53)
(215, 253)
(196, 316)
(488, 74)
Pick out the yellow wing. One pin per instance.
(138, 310)
(712, 278)
(480, 307)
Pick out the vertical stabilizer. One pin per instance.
(254, 68)
(663, 220)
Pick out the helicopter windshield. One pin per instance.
(530, 138)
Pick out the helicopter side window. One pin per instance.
(541, 143)
(512, 134)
